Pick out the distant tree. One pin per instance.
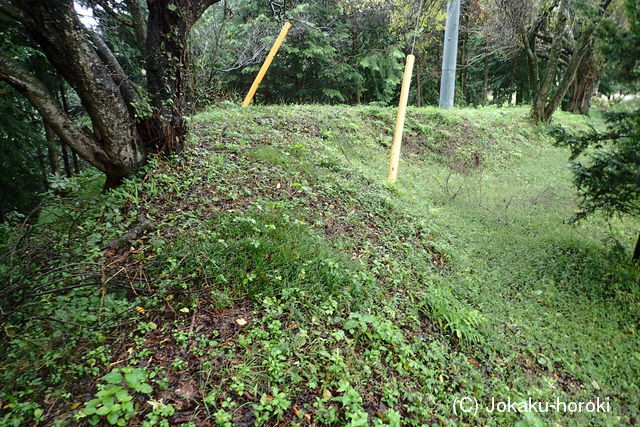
(555, 37)
(338, 51)
(428, 29)
(608, 174)
(127, 121)
(583, 88)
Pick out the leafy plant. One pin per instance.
(159, 414)
(464, 323)
(271, 406)
(113, 401)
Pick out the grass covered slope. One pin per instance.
(270, 275)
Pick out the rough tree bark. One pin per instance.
(167, 31)
(119, 139)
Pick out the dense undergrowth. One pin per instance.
(270, 275)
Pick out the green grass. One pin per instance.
(284, 281)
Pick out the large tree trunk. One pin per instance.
(168, 28)
(636, 252)
(528, 40)
(114, 144)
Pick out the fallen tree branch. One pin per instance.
(143, 224)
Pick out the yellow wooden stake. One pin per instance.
(402, 112)
(267, 63)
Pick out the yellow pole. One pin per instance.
(267, 63)
(402, 112)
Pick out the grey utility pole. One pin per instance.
(449, 55)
